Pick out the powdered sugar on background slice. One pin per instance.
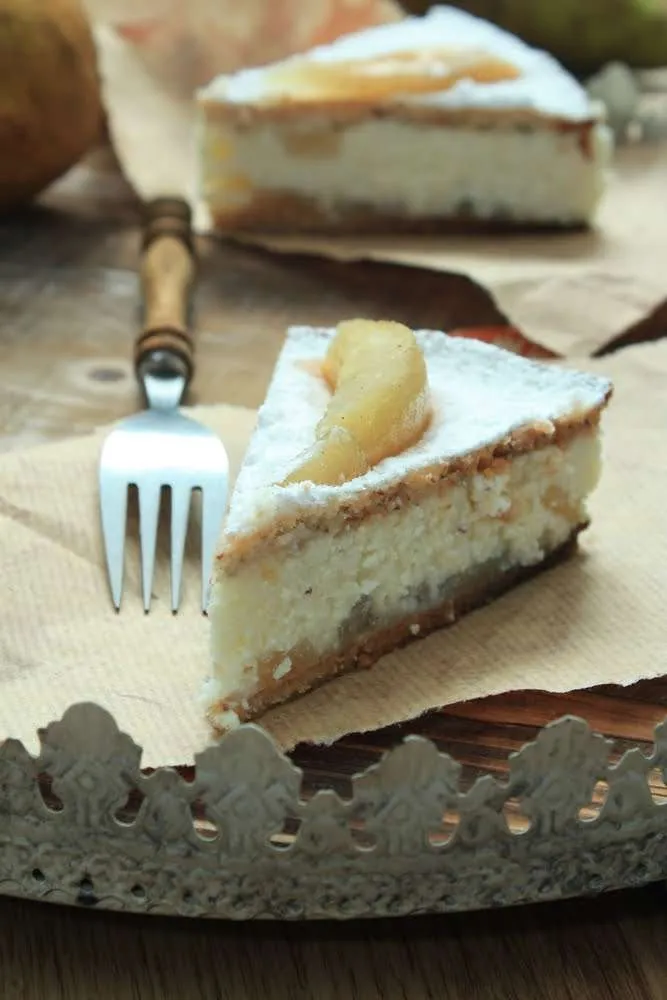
(544, 86)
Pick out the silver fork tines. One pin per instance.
(156, 449)
(160, 448)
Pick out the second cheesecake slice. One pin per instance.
(428, 122)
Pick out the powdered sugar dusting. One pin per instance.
(544, 86)
(479, 395)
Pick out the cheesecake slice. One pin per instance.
(357, 525)
(412, 125)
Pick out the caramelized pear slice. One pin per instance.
(389, 75)
(380, 387)
(335, 458)
(380, 403)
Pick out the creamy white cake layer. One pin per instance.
(413, 170)
(396, 564)
(543, 86)
(479, 395)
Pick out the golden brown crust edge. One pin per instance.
(367, 649)
(340, 113)
(415, 486)
(270, 212)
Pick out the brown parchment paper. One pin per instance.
(596, 619)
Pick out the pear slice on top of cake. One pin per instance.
(394, 481)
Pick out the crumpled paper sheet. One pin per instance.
(599, 618)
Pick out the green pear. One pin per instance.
(50, 106)
(582, 34)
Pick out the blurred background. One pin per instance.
(69, 69)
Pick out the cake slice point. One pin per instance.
(314, 579)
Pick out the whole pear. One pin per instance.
(50, 107)
(582, 34)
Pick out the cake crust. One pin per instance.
(368, 648)
(286, 110)
(277, 212)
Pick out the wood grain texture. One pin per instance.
(167, 270)
(68, 314)
(611, 949)
(482, 734)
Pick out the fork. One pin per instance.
(160, 448)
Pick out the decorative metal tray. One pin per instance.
(243, 835)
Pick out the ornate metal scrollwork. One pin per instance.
(82, 824)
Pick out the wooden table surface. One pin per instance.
(67, 311)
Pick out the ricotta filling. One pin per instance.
(418, 171)
(395, 564)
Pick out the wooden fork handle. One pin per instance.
(167, 272)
